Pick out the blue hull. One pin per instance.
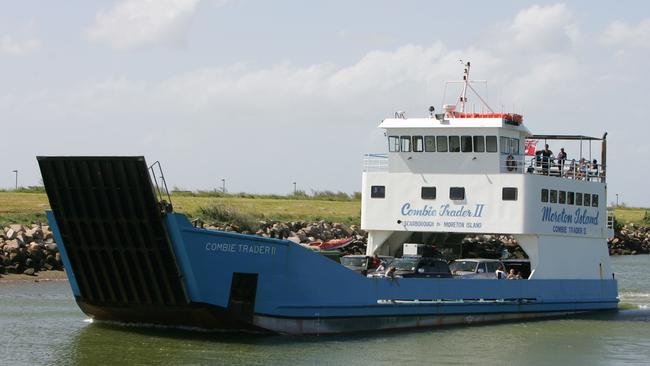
(249, 282)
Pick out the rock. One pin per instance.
(29, 272)
(17, 227)
(10, 234)
(11, 246)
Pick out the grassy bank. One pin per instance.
(20, 207)
(26, 207)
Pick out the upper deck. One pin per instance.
(447, 144)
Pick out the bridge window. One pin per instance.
(378, 191)
(393, 143)
(428, 193)
(418, 144)
(587, 199)
(457, 193)
(570, 198)
(429, 143)
(491, 144)
(579, 199)
(441, 141)
(562, 198)
(454, 144)
(514, 146)
(509, 193)
(594, 200)
(505, 145)
(544, 195)
(466, 143)
(405, 143)
(553, 196)
(479, 144)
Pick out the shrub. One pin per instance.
(224, 214)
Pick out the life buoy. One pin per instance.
(510, 163)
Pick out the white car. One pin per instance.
(478, 268)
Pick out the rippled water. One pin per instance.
(41, 324)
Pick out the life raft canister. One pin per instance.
(510, 163)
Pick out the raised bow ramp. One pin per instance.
(113, 232)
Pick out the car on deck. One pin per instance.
(419, 267)
(478, 268)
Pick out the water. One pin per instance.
(41, 324)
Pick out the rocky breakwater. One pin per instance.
(28, 250)
(630, 239)
(303, 232)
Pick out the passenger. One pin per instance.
(582, 169)
(546, 154)
(572, 171)
(375, 262)
(561, 157)
(514, 275)
(390, 273)
(593, 171)
(500, 273)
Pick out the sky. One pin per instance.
(267, 93)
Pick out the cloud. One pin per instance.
(626, 35)
(538, 27)
(13, 47)
(264, 127)
(133, 23)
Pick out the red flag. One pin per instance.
(531, 147)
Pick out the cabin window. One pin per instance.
(454, 144)
(587, 199)
(405, 143)
(514, 146)
(505, 145)
(479, 144)
(418, 144)
(429, 143)
(570, 198)
(544, 195)
(579, 199)
(466, 143)
(594, 200)
(428, 193)
(378, 191)
(509, 193)
(553, 196)
(441, 141)
(562, 197)
(457, 193)
(393, 143)
(491, 144)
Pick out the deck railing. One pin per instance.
(563, 168)
(375, 162)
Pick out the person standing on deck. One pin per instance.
(546, 158)
(561, 157)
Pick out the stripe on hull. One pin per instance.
(318, 326)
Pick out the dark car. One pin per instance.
(420, 267)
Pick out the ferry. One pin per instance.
(131, 258)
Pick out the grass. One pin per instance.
(19, 207)
(28, 206)
(626, 215)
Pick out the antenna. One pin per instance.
(467, 85)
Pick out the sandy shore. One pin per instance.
(40, 276)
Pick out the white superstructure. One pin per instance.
(457, 173)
